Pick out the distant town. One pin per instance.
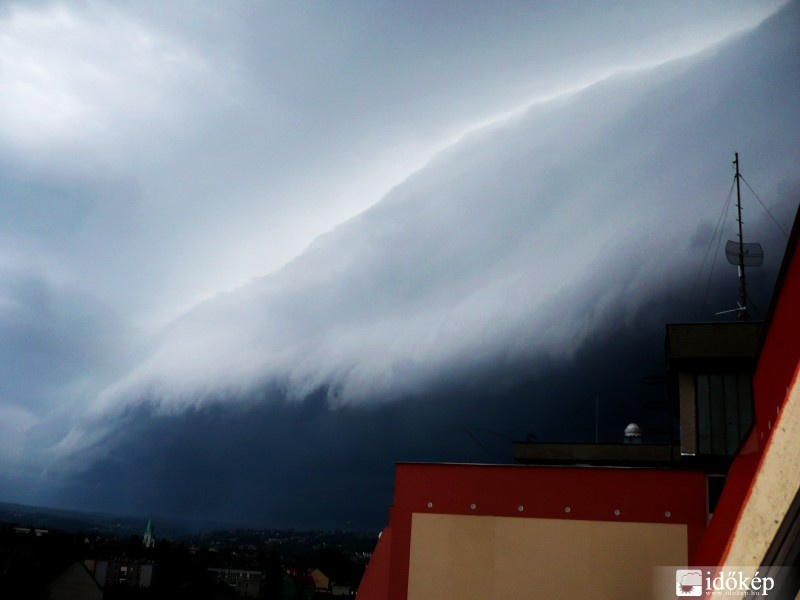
(49, 554)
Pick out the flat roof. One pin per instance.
(595, 454)
(713, 340)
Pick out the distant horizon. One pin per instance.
(209, 526)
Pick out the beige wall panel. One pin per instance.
(772, 493)
(456, 557)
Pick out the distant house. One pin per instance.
(75, 583)
(341, 589)
(129, 573)
(305, 586)
(247, 584)
(31, 530)
(308, 584)
(321, 581)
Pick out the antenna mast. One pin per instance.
(742, 279)
(741, 254)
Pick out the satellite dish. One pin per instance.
(753, 254)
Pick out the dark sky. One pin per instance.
(252, 256)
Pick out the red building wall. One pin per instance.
(777, 363)
(595, 494)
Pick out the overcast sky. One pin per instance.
(252, 254)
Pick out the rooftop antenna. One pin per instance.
(741, 254)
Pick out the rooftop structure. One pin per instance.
(722, 494)
(246, 583)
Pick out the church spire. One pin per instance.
(149, 539)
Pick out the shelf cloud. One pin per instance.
(349, 220)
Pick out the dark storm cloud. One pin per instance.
(303, 465)
(261, 461)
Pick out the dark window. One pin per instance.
(724, 412)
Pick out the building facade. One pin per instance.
(723, 498)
